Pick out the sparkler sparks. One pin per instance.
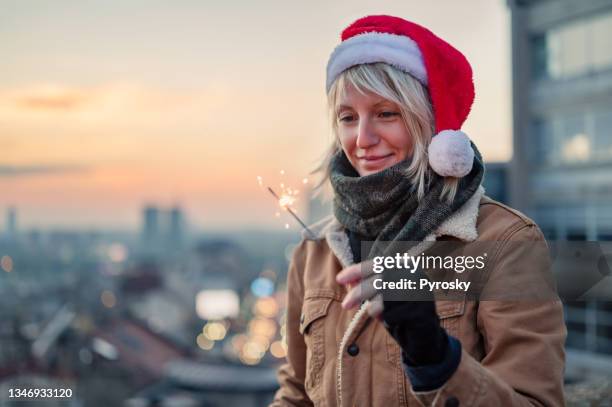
(288, 209)
(286, 200)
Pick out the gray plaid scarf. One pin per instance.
(383, 206)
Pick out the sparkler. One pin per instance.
(285, 200)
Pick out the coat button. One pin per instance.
(452, 401)
(353, 349)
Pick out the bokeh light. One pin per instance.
(266, 307)
(108, 299)
(217, 304)
(6, 263)
(262, 341)
(252, 352)
(278, 350)
(204, 343)
(214, 331)
(262, 287)
(117, 252)
(262, 327)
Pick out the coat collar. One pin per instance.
(461, 224)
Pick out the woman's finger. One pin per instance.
(352, 297)
(355, 273)
(360, 292)
(349, 275)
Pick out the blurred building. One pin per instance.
(150, 227)
(561, 169)
(562, 85)
(191, 383)
(163, 229)
(496, 181)
(176, 226)
(11, 223)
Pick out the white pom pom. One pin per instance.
(450, 154)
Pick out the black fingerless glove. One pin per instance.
(416, 328)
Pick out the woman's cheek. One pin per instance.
(401, 142)
(348, 143)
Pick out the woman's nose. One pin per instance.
(366, 136)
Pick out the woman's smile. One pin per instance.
(372, 162)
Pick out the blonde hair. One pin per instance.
(416, 111)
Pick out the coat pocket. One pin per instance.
(450, 313)
(312, 327)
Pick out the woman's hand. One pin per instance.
(413, 324)
(358, 278)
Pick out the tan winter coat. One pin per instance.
(513, 352)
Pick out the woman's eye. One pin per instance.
(346, 118)
(386, 115)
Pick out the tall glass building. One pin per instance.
(561, 171)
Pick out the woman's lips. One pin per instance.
(374, 158)
(373, 161)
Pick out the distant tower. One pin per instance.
(11, 223)
(150, 229)
(176, 226)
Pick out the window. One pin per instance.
(605, 236)
(603, 135)
(576, 235)
(543, 147)
(575, 143)
(539, 57)
(575, 138)
(573, 49)
(573, 55)
(600, 42)
(589, 325)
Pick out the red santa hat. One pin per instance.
(442, 69)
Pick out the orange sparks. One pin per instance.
(286, 199)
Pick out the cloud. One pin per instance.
(106, 100)
(66, 100)
(46, 97)
(26, 170)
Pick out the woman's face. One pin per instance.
(371, 131)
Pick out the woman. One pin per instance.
(402, 171)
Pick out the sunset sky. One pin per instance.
(108, 105)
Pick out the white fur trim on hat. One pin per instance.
(450, 154)
(396, 50)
